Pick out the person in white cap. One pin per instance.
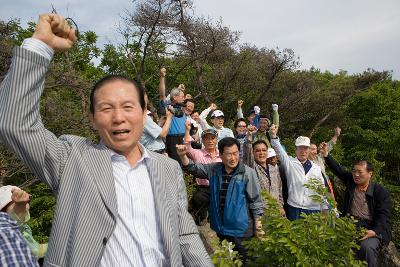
(299, 170)
(15, 202)
(218, 119)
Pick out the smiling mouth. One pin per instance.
(120, 132)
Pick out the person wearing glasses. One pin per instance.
(235, 200)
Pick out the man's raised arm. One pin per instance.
(21, 128)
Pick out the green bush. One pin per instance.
(319, 239)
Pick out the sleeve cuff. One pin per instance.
(39, 47)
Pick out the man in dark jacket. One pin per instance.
(368, 202)
(235, 200)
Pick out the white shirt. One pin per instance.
(136, 240)
(299, 196)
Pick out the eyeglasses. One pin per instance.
(233, 154)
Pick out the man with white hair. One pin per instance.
(299, 170)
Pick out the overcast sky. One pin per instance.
(351, 35)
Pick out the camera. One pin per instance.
(176, 110)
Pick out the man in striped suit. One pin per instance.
(117, 203)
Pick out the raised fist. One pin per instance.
(20, 196)
(274, 107)
(257, 109)
(163, 72)
(181, 150)
(240, 103)
(181, 86)
(55, 31)
(338, 131)
(273, 131)
(213, 106)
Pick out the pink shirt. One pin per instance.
(203, 157)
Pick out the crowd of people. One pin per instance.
(124, 200)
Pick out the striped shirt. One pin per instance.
(136, 240)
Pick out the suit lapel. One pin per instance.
(162, 203)
(99, 164)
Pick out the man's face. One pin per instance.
(361, 175)
(179, 98)
(313, 151)
(251, 118)
(302, 153)
(241, 127)
(230, 157)
(260, 154)
(218, 122)
(272, 160)
(263, 124)
(209, 141)
(196, 117)
(118, 116)
(189, 108)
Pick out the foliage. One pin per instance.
(315, 240)
(225, 255)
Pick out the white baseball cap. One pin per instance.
(217, 113)
(302, 141)
(5, 195)
(271, 153)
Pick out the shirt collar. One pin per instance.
(118, 157)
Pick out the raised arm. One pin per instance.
(167, 123)
(248, 156)
(275, 115)
(203, 116)
(334, 138)
(161, 87)
(239, 111)
(333, 165)
(281, 153)
(21, 127)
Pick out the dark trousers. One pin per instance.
(293, 213)
(369, 249)
(170, 145)
(200, 203)
(237, 241)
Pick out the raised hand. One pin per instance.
(213, 106)
(275, 107)
(337, 131)
(188, 125)
(323, 149)
(20, 196)
(240, 103)
(273, 131)
(181, 86)
(163, 72)
(181, 150)
(55, 31)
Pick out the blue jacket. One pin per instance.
(243, 200)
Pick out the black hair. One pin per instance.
(113, 77)
(227, 142)
(237, 122)
(367, 164)
(188, 100)
(259, 142)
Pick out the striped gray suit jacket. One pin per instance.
(80, 175)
